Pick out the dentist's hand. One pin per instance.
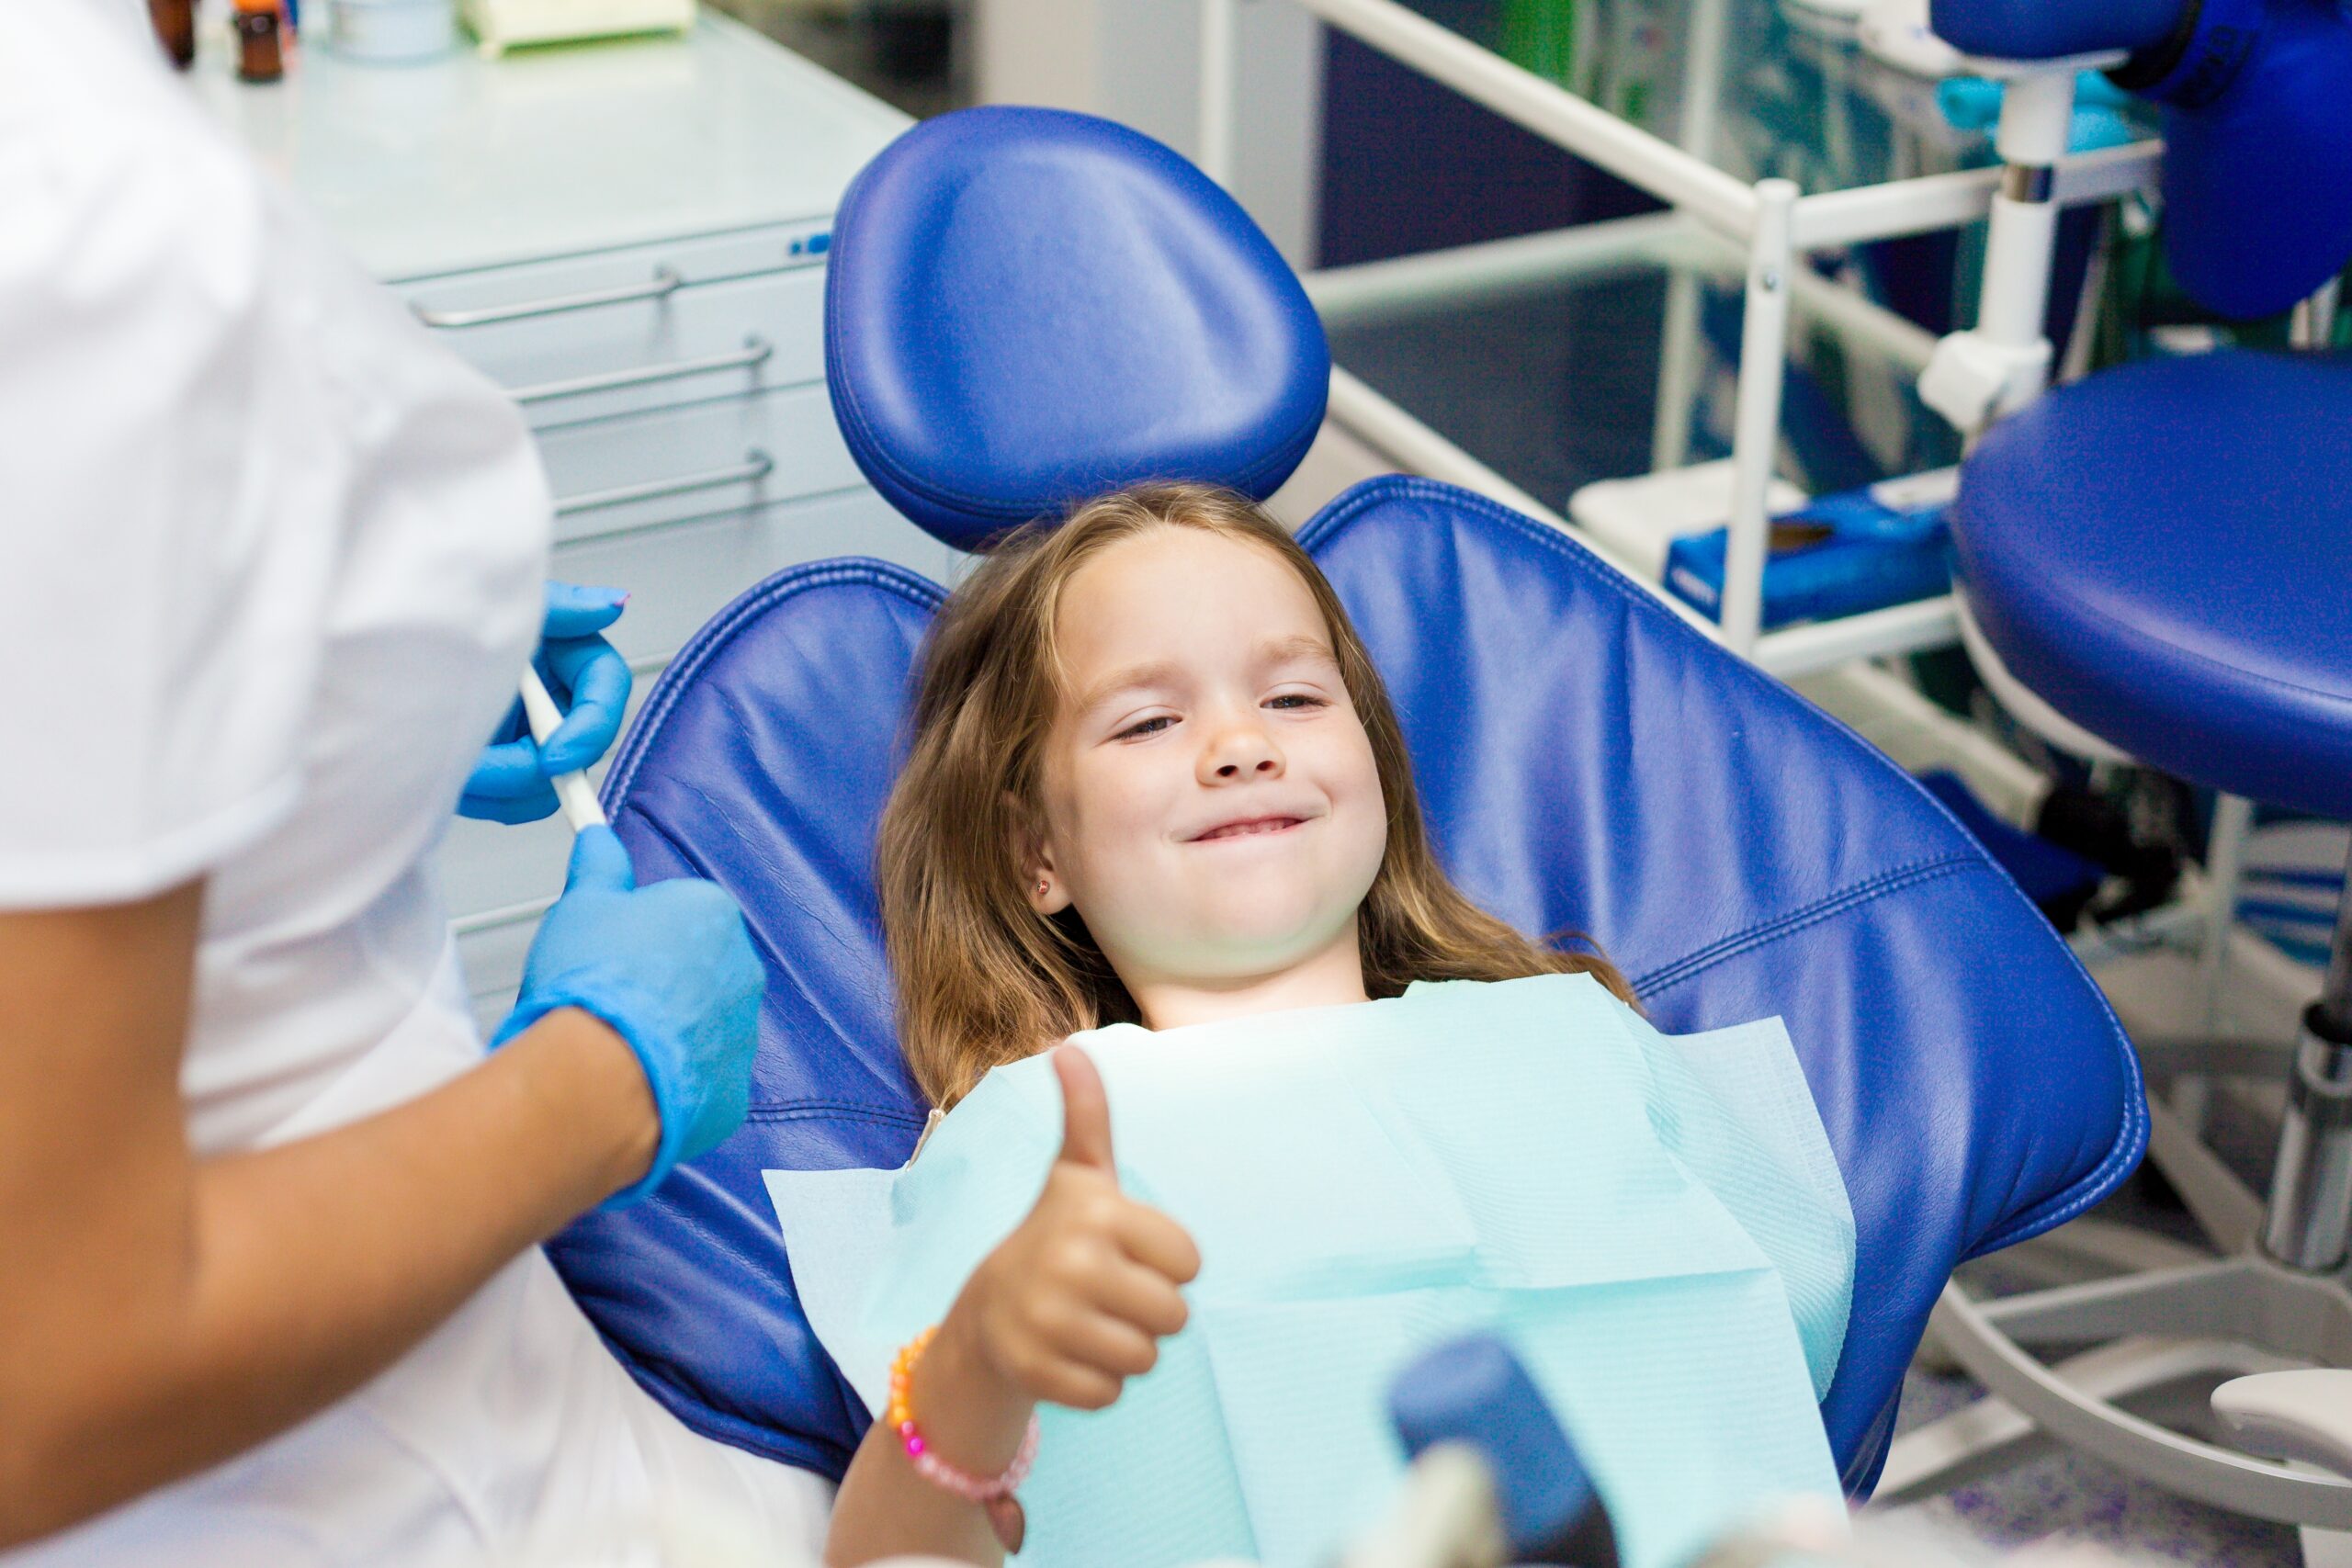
(1075, 1302)
(672, 970)
(589, 679)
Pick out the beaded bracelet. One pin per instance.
(994, 1495)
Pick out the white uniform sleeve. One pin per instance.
(168, 527)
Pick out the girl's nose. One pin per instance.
(1239, 751)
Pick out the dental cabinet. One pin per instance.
(629, 237)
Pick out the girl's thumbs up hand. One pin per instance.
(1074, 1303)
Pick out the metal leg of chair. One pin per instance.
(1990, 1434)
(2223, 1207)
(2224, 857)
(2280, 1295)
(2221, 1056)
(2085, 1420)
(2309, 1225)
(2093, 1248)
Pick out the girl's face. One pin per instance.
(1210, 801)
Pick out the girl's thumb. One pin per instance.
(1086, 1110)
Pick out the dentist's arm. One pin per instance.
(159, 1313)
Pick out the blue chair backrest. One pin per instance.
(1585, 761)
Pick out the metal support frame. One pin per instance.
(1769, 220)
(1756, 423)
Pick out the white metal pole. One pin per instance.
(1394, 433)
(2037, 113)
(2225, 870)
(1219, 51)
(1678, 363)
(1756, 424)
(1678, 371)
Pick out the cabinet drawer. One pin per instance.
(709, 341)
(678, 577)
(461, 303)
(615, 476)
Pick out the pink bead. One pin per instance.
(915, 1446)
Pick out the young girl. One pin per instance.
(1154, 780)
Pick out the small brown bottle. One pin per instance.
(175, 26)
(260, 57)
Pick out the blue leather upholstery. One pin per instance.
(2163, 552)
(1586, 761)
(2257, 127)
(992, 357)
(760, 759)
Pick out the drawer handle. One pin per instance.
(756, 352)
(663, 284)
(755, 466)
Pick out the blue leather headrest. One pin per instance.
(1586, 762)
(1027, 307)
(2257, 100)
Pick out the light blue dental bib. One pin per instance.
(1656, 1224)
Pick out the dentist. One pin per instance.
(270, 564)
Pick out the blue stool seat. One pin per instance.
(2117, 557)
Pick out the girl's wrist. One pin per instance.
(971, 1415)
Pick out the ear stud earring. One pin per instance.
(1042, 885)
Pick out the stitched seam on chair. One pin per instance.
(815, 1109)
(2130, 1138)
(1017, 511)
(708, 643)
(1692, 965)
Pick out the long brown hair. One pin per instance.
(983, 980)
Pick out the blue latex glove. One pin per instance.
(588, 679)
(671, 967)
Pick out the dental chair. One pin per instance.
(1026, 307)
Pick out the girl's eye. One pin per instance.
(1145, 727)
(1296, 700)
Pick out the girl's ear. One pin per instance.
(1034, 854)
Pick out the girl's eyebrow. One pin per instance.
(1167, 672)
(1156, 672)
(1300, 645)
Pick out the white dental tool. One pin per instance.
(578, 798)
